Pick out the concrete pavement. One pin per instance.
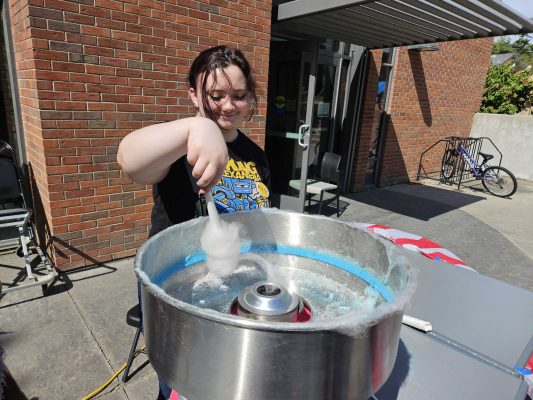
(491, 234)
(67, 344)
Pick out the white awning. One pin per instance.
(391, 23)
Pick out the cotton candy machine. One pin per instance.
(313, 311)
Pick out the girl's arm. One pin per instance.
(147, 154)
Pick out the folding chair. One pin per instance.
(15, 224)
(328, 180)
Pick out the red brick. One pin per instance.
(152, 4)
(125, 17)
(70, 105)
(51, 76)
(111, 4)
(62, 5)
(74, 77)
(67, 67)
(136, 10)
(98, 106)
(130, 36)
(115, 98)
(129, 107)
(79, 19)
(95, 31)
(127, 55)
(85, 96)
(81, 226)
(141, 29)
(100, 70)
(116, 67)
(48, 34)
(100, 88)
(128, 90)
(107, 23)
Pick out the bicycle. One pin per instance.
(498, 181)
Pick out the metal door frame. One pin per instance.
(309, 53)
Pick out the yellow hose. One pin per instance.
(108, 382)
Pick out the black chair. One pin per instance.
(133, 318)
(15, 223)
(328, 179)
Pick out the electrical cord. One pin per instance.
(108, 382)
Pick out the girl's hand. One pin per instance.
(207, 153)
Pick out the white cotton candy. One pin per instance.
(221, 243)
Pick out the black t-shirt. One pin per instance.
(245, 185)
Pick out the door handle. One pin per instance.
(301, 134)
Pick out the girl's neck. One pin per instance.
(230, 136)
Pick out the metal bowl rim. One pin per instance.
(340, 322)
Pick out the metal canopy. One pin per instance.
(391, 23)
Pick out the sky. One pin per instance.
(524, 7)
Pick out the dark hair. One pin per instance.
(220, 57)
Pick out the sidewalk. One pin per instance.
(67, 344)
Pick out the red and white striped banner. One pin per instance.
(416, 243)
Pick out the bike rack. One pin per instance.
(422, 172)
(463, 174)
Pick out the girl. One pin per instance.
(223, 92)
(186, 158)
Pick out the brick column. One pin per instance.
(91, 71)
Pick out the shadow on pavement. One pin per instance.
(13, 273)
(417, 201)
(428, 202)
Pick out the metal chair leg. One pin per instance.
(320, 205)
(132, 353)
(338, 208)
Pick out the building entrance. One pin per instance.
(307, 85)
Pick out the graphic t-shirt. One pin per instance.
(245, 185)
(240, 188)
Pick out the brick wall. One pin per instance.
(435, 94)
(91, 71)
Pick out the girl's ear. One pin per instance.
(194, 98)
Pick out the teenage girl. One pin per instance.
(186, 158)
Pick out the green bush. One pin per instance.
(507, 91)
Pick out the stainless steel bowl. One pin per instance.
(356, 285)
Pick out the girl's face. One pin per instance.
(228, 97)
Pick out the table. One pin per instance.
(492, 318)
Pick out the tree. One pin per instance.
(509, 87)
(507, 91)
(522, 46)
(503, 45)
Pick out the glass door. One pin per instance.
(303, 96)
(293, 67)
(324, 105)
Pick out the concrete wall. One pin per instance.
(513, 135)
